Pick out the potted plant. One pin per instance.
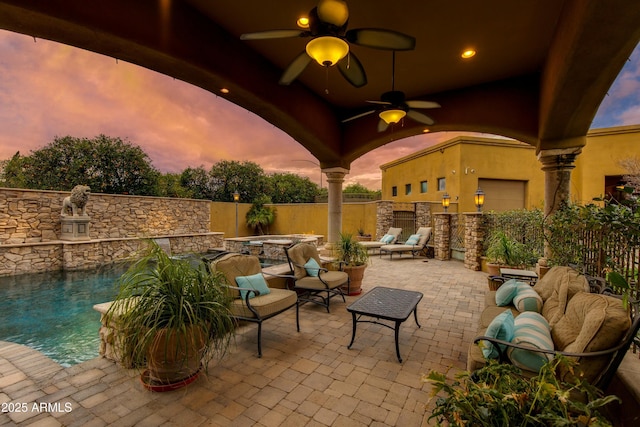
(503, 250)
(362, 236)
(354, 258)
(173, 317)
(498, 394)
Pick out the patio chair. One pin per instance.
(253, 299)
(314, 283)
(388, 239)
(414, 244)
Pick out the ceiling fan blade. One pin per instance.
(382, 125)
(273, 34)
(357, 116)
(419, 117)
(352, 70)
(294, 69)
(379, 102)
(381, 39)
(422, 104)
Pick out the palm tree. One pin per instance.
(260, 216)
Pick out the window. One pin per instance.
(423, 186)
(442, 184)
(394, 191)
(407, 189)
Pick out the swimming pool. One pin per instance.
(53, 312)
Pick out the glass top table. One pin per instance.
(391, 304)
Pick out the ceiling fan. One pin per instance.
(329, 44)
(394, 106)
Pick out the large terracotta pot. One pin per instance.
(175, 356)
(356, 274)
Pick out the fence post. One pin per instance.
(474, 236)
(442, 238)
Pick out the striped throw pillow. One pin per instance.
(532, 330)
(527, 299)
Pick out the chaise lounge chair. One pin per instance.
(388, 239)
(414, 244)
(253, 299)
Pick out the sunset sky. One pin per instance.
(49, 89)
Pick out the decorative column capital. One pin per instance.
(559, 159)
(335, 175)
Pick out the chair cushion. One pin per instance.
(299, 254)
(591, 322)
(555, 278)
(527, 299)
(266, 305)
(234, 264)
(312, 267)
(502, 328)
(333, 279)
(568, 284)
(425, 234)
(413, 239)
(255, 281)
(530, 329)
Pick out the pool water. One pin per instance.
(53, 312)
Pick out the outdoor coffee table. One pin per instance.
(388, 304)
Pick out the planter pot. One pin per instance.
(362, 238)
(493, 269)
(356, 274)
(175, 356)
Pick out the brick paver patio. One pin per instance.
(308, 378)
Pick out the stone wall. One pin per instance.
(33, 216)
(384, 221)
(40, 257)
(473, 240)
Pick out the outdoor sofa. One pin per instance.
(561, 314)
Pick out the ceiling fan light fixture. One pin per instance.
(468, 53)
(303, 22)
(327, 50)
(392, 116)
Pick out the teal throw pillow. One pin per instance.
(387, 238)
(312, 267)
(413, 239)
(502, 328)
(506, 292)
(527, 299)
(255, 281)
(532, 330)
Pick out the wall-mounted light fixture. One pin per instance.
(478, 199)
(446, 200)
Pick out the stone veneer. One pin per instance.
(30, 229)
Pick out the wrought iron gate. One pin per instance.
(405, 220)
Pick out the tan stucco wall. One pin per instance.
(600, 157)
(462, 161)
(295, 218)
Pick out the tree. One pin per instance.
(198, 183)
(260, 217)
(169, 185)
(12, 172)
(106, 164)
(292, 188)
(358, 188)
(247, 178)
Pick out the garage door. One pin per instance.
(503, 195)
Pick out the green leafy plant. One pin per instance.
(498, 395)
(349, 251)
(260, 217)
(178, 298)
(502, 249)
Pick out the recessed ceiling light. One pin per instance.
(426, 130)
(303, 22)
(224, 90)
(468, 53)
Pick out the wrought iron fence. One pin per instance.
(457, 232)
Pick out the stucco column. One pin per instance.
(557, 165)
(335, 178)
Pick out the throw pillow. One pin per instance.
(531, 330)
(312, 267)
(413, 239)
(387, 238)
(502, 328)
(506, 292)
(527, 299)
(255, 281)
